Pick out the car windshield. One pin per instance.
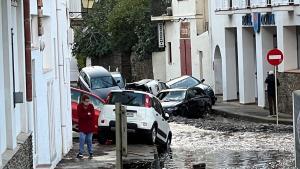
(172, 96)
(127, 99)
(185, 83)
(121, 82)
(102, 82)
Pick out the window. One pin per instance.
(170, 52)
(248, 3)
(102, 82)
(172, 96)
(127, 98)
(157, 106)
(85, 78)
(75, 95)
(199, 92)
(185, 83)
(96, 102)
(191, 94)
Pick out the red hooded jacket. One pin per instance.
(86, 118)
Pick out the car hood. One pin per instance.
(170, 104)
(103, 93)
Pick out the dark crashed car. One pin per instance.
(185, 82)
(192, 102)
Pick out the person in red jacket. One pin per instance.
(86, 115)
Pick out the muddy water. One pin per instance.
(223, 149)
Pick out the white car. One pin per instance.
(145, 117)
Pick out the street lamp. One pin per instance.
(88, 4)
(79, 7)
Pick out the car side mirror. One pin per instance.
(203, 80)
(167, 116)
(118, 81)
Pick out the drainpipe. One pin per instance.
(59, 15)
(26, 4)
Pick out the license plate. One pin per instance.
(129, 114)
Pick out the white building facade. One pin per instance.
(243, 31)
(186, 42)
(39, 129)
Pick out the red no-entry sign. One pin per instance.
(275, 57)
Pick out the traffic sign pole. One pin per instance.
(276, 94)
(275, 57)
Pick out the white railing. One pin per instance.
(242, 4)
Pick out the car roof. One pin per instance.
(87, 93)
(178, 79)
(96, 71)
(133, 91)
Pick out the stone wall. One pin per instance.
(141, 68)
(113, 61)
(289, 82)
(22, 159)
(132, 68)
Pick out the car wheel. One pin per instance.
(102, 137)
(213, 101)
(168, 143)
(151, 138)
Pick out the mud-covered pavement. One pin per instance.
(229, 143)
(214, 140)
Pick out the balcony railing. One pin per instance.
(244, 4)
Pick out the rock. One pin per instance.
(199, 166)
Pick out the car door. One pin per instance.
(192, 101)
(84, 81)
(75, 99)
(202, 98)
(165, 125)
(161, 132)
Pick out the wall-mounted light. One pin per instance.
(88, 4)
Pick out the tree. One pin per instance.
(117, 25)
(92, 38)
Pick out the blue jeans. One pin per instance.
(85, 138)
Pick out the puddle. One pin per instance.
(191, 145)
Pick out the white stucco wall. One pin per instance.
(53, 124)
(286, 40)
(184, 8)
(2, 99)
(159, 65)
(200, 44)
(172, 31)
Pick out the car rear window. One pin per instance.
(185, 83)
(127, 98)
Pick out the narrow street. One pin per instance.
(226, 143)
(216, 141)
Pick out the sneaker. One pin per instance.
(274, 116)
(80, 156)
(91, 156)
(270, 115)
